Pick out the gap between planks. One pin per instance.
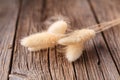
(13, 46)
(97, 21)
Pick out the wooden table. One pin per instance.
(19, 18)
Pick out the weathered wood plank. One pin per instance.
(112, 37)
(108, 10)
(93, 59)
(76, 11)
(28, 65)
(8, 18)
(60, 68)
(51, 64)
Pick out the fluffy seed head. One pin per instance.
(78, 36)
(38, 48)
(40, 40)
(58, 27)
(47, 39)
(75, 43)
(73, 52)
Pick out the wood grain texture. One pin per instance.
(8, 19)
(96, 63)
(26, 65)
(110, 11)
(76, 11)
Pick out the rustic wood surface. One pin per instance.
(20, 18)
(8, 19)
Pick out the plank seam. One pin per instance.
(43, 10)
(13, 45)
(110, 52)
(97, 21)
(98, 63)
(63, 72)
(74, 70)
(86, 65)
(95, 17)
(49, 64)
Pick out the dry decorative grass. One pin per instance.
(73, 41)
